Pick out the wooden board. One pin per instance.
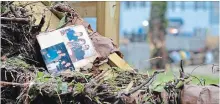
(84, 8)
(116, 61)
(40, 10)
(108, 19)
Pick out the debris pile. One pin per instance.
(24, 78)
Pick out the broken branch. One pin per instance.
(3, 83)
(13, 11)
(18, 20)
(146, 82)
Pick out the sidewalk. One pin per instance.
(200, 70)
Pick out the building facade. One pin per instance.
(195, 15)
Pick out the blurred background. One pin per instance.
(190, 33)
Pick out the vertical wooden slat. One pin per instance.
(100, 10)
(108, 19)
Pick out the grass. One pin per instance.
(162, 78)
(168, 76)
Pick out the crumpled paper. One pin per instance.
(193, 94)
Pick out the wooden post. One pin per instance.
(108, 19)
(84, 8)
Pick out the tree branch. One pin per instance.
(17, 20)
(146, 82)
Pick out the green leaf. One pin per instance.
(180, 83)
(159, 88)
(79, 87)
(62, 22)
(3, 9)
(40, 74)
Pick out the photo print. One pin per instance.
(56, 58)
(78, 43)
(70, 44)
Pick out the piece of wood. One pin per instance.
(39, 10)
(109, 74)
(84, 8)
(17, 20)
(108, 19)
(116, 61)
(104, 66)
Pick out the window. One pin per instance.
(204, 5)
(183, 5)
(214, 12)
(128, 4)
(134, 4)
(173, 6)
(142, 4)
(196, 5)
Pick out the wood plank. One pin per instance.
(108, 19)
(116, 61)
(100, 17)
(84, 8)
(39, 10)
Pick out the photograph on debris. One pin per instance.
(56, 58)
(110, 52)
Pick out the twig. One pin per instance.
(197, 79)
(154, 58)
(13, 11)
(5, 13)
(181, 71)
(7, 40)
(97, 77)
(31, 59)
(59, 97)
(146, 82)
(5, 76)
(18, 20)
(12, 75)
(213, 70)
(9, 3)
(28, 41)
(41, 23)
(196, 68)
(98, 85)
(3, 83)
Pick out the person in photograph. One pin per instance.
(71, 52)
(73, 46)
(64, 61)
(72, 35)
(49, 55)
(78, 43)
(80, 52)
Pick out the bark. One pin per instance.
(157, 34)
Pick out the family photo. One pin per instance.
(76, 43)
(56, 58)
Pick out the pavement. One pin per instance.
(137, 53)
(207, 70)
